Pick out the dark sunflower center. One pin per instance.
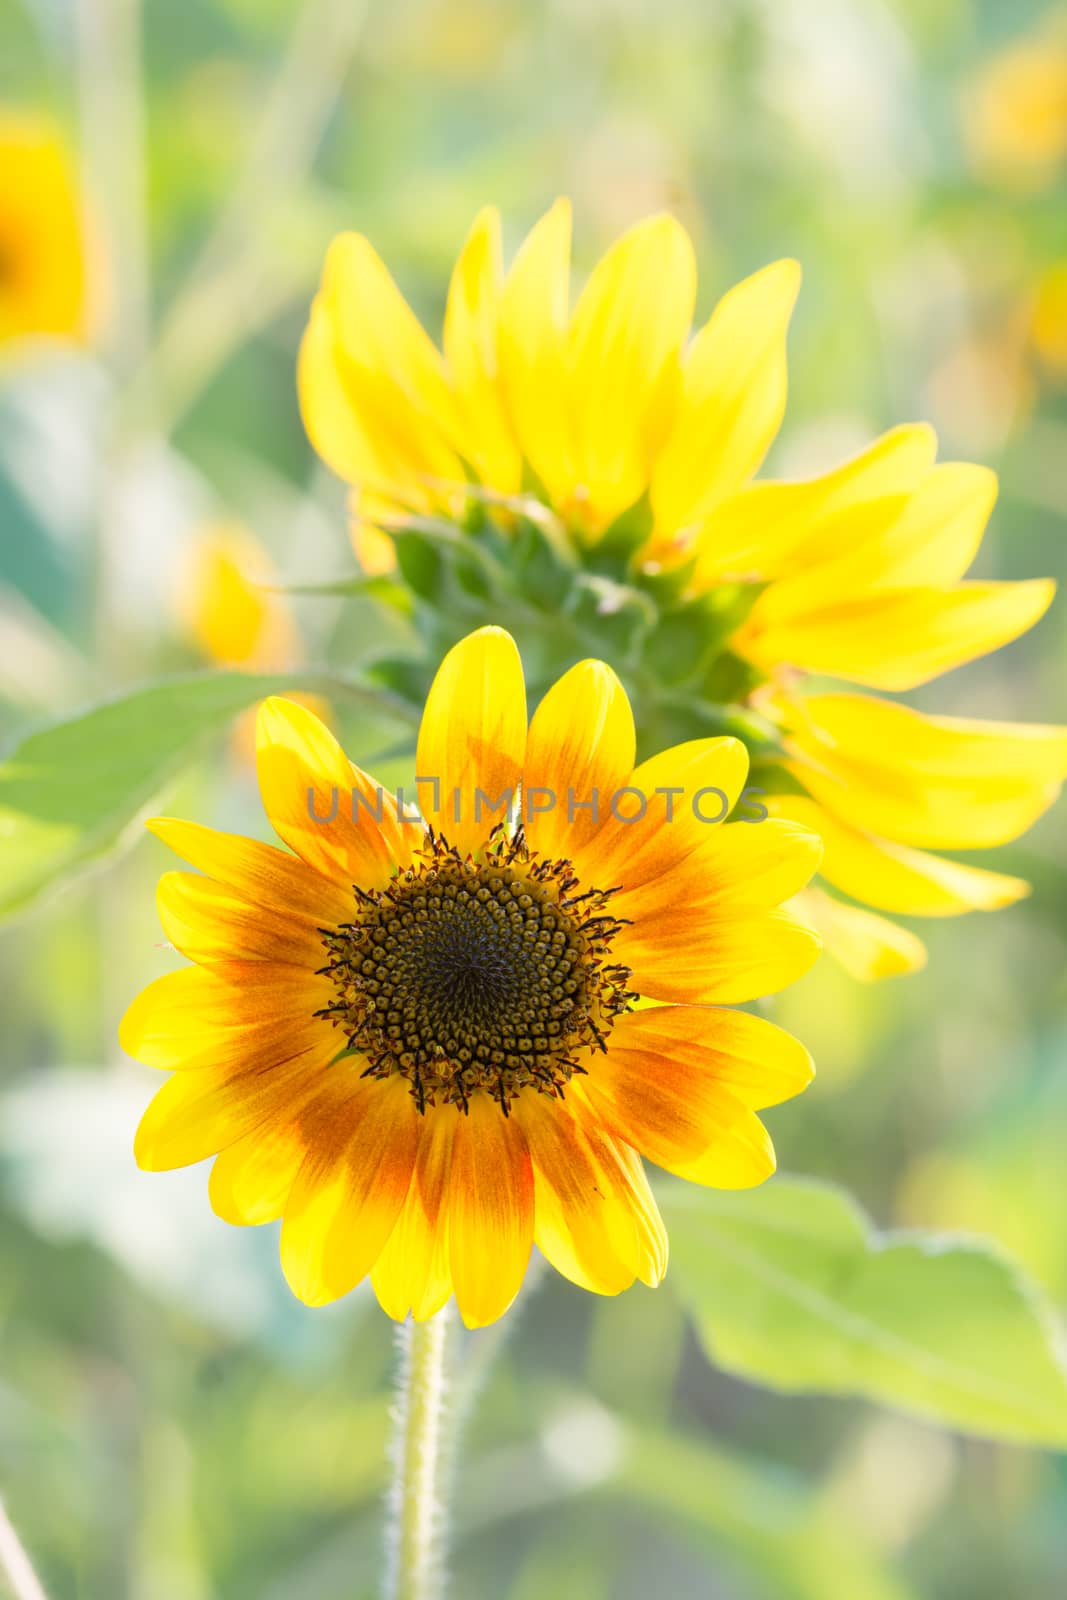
(467, 976)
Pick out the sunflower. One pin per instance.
(41, 257)
(588, 411)
(862, 575)
(614, 412)
(429, 1044)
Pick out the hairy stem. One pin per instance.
(417, 1523)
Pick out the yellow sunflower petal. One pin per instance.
(412, 1272)
(900, 638)
(739, 1156)
(625, 338)
(258, 872)
(868, 946)
(232, 1018)
(674, 801)
(732, 399)
(334, 425)
(250, 1182)
(671, 1116)
(584, 1215)
(198, 1113)
(580, 750)
(373, 548)
(748, 865)
(772, 529)
(470, 340)
(391, 369)
(688, 1048)
(490, 1212)
(894, 877)
(349, 1191)
(307, 785)
(208, 922)
(650, 1233)
(703, 957)
(936, 782)
(533, 339)
(472, 738)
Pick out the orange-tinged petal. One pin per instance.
(649, 1230)
(412, 1272)
(894, 877)
(490, 1211)
(250, 1182)
(580, 750)
(697, 1046)
(584, 1213)
(625, 339)
(207, 921)
(900, 638)
(229, 1018)
(732, 399)
(678, 797)
(702, 957)
(533, 336)
(349, 1191)
(747, 865)
(582, 1227)
(198, 1113)
(307, 784)
(473, 737)
(868, 946)
(470, 339)
(259, 873)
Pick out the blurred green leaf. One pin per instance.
(755, 1515)
(378, 585)
(70, 792)
(790, 1286)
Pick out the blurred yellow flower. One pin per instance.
(1015, 113)
(424, 1044)
(1049, 318)
(225, 603)
(862, 570)
(42, 269)
(589, 409)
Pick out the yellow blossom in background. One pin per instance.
(42, 268)
(1048, 326)
(429, 1046)
(225, 604)
(1015, 112)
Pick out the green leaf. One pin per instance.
(69, 793)
(790, 1286)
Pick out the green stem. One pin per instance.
(418, 1524)
(15, 1566)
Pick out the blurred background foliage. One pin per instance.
(172, 1425)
